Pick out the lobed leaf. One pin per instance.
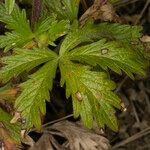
(91, 93)
(24, 60)
(12, 39)
(112, 55)
(90, 32)
(31, 102)
(17, 22)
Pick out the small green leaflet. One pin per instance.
(65, 9)
(49, 29)
(9, 4)
(31, 102)
(91, 93)
(24, 60)
(57, 30)
(44, 24)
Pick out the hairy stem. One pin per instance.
(36, 12)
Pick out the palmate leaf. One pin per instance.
(65, 9)
(24, 60)
(112, 55)
(12, 130)
(31, 102)
(91, 93)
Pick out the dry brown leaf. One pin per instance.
(46, 142)
(100, 10)
(75, 136)
(16, 117)
(145, 39)
(26, 139)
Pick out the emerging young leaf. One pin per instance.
(55, 30)
(91, 93)
(31, 102)
(8, 131)
(24, 60)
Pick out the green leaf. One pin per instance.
(87, 44)
(24, 60)
(57, 30)
(13, 130)
(44, 24)
(31, 102)
(112, 55)
(12, 39)
(91, 32)
(65, 9)
(91, 92)
(18, 23)
(48, 29)
(9, 4)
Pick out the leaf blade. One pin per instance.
(111, 55)
(9, 4)
(92, 94)
(31, 102)
(24, 60)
